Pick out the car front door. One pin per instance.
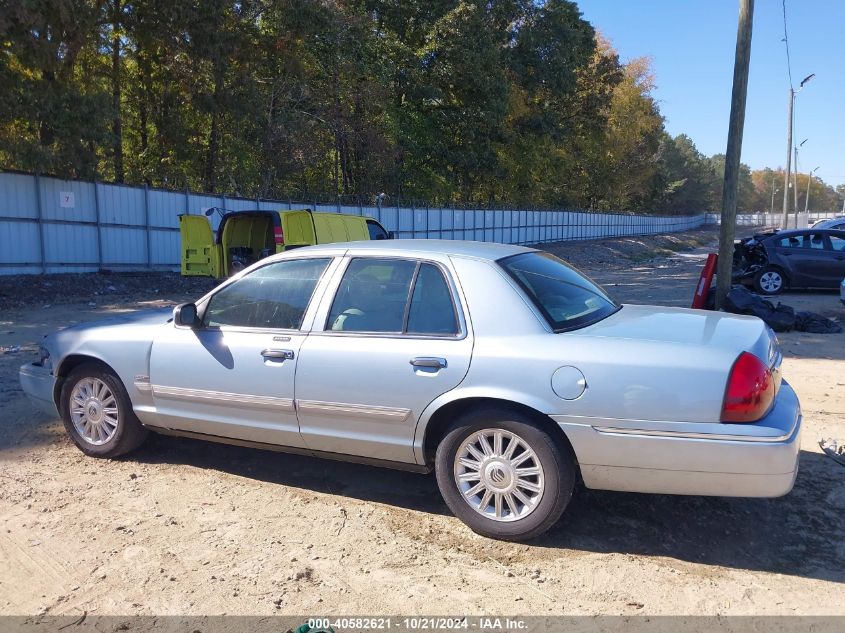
(233, 375)
(390, 337)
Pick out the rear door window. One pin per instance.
(837, 243)
(431, 310)
(372, 296)
(398, 296)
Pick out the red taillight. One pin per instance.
(278, 235)
(750, 391)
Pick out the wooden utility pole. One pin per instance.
(727, 229)
(784, 224)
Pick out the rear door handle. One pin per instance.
(281, 354)
(429, 361)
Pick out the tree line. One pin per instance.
(500, 102)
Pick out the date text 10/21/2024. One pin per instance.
(338, 625)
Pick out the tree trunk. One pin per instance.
(214, 134)
(117, 127)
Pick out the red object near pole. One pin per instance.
(704, 281)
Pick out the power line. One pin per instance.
(786, 42)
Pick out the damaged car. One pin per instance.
(772, 262)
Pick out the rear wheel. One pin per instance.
(770, 281)
(97, 412)
(503, 475)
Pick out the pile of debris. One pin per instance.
(780, 317)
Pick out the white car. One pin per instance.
(501, 368)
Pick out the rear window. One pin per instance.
(567, 299)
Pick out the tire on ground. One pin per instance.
(770, 281)
(555, 458)
(130, 433)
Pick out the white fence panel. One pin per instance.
(53, 225)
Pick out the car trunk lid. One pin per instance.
(695, 328)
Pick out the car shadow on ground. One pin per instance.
(801, 534)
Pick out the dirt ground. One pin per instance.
(186, 527)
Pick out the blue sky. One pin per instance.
(692, 44)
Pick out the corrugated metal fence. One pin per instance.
(48, 225)
(766, 220)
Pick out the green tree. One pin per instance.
(51, 115)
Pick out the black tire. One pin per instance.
(129, 433)
(765, 281)
(555, 459)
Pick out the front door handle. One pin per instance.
(279, 354)
(429, 361)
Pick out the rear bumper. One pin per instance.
(755, 460)
(37, 382)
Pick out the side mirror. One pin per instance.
(185, 315)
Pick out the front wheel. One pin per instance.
(769, 281)
(97, 412)
(503, 475)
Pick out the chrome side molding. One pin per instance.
(223, 397)
(387, 414)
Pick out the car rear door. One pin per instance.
(803, 255)
(199, 254)
(390, 336)
(836, 258)
(233, 375)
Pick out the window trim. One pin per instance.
(206, 301)
(531, 298)
(460, 317)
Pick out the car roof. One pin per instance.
(480, 250)
(838, 232)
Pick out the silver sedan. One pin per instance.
(501, 368)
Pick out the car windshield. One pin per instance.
(567, 299)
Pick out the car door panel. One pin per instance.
(233, 375)
(362, 393)
(217, 382)
(837, 246)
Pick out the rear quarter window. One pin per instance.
(568, 299)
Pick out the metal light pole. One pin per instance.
(807, 197)
(787, 174)
(790, 118)
(774, 191)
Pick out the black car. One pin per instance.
(809, 258)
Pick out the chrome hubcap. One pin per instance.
(499, 475)
(770, 281)
(93, 411)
